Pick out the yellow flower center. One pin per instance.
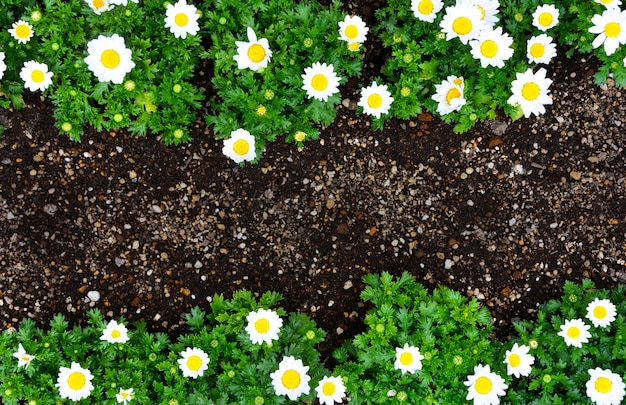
(115, 334)
(194, 363)
(353, 46)
(462, 26)
(606, 1)
(319, 82)
(599, 312)
(291, 379)
(425, 7)
(374, 100)
(545, 19)
(483, 385)
(124, 394)
(110, 58)
(352, 31)
(181, 19)
(299, 136)
(262, 325)
(603, 385)
(573, 332)
(406, 358)
(489, 48)
(458, 81)
(37, 76)
(530, 91)
(26, 358)
(76, 380)
(256, 53)
(22, 31)
(514, 360)
(537, 50)
(452, 94)
(328, 388)
(241, 147)
(261, 110)
(98, 4)
(612, 29)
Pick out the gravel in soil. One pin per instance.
(506, 213)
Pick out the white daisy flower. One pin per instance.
(375, 100)
(488, 10)
(426, 10)
(531, 92)
(449, 95)
(320, 81)
(611, 29)
(463, 21)
(601, 312)
(605, 387)
(545, 17)
(353, 29)
(74, 383)
(21, 31)
(540, 49)
(115, 333)
(182, 19)
(263, 326)
(518, 361)
(575, 332)
(492, 47)
(609, 3)
(109, 59)
(485, 387)
(125, 396)
(99, 6)
(193, 362)
(240, 146)
(330, 390)
(254, 54)
(3, 66)
(23, 358)
(36, 76)
(291, 378)
(408, 359)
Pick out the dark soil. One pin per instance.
(506, 212)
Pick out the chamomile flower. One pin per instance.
(330, 390)
(36, 76)
(3, 66)
(408, 359)
(193, 362)
(601, 312)
(375, 99)
(125, 396)
(426, 10)
(449, 95)
(99, 6)
(115, 333)
(263, 326)
(23, 358)
(484, 387)
(575, 332)
(492, 47)
(531, 92)
(545, 17)
(21, 31)
(74, 382)
(109, 59)
(518, 361)
(611, 29)
(609, 3)
(540, 49)
(463, 21)
(320, 81)
(488, 10)
(254, 54)
(353, 29)
(240, 146)
(291, 378)
(182, 19)
(604, 387)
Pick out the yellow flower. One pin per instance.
(299, 136)
(21, 31)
